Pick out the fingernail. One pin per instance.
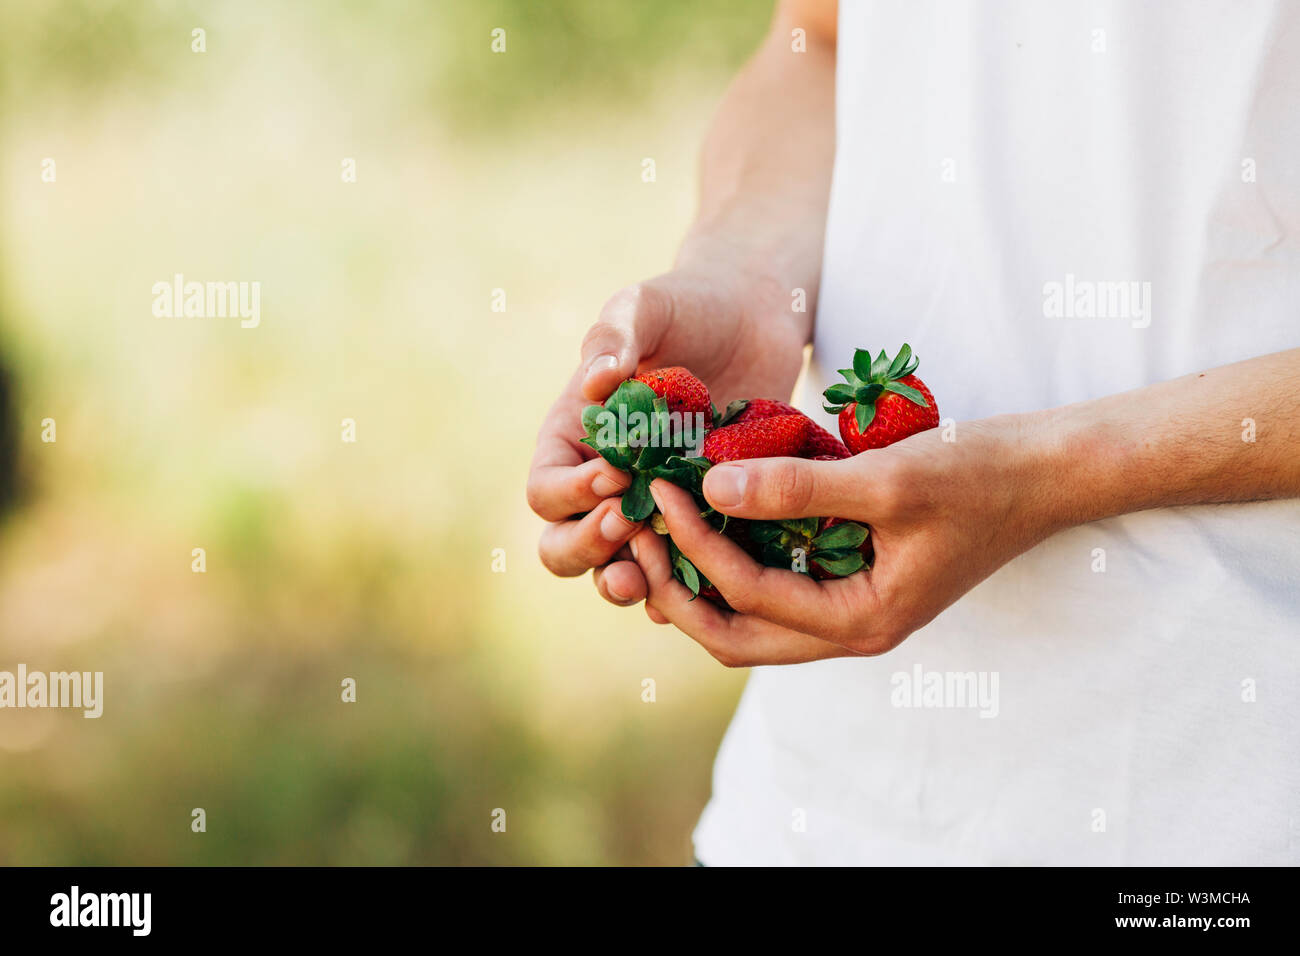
(654, 493)
(631, 546)
(614, 593)
(602, 362)
(604, 486)
(613, 526)
(726, 485)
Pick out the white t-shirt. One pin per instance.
(1053, 202)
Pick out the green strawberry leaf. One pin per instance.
(652, 456)
(830, 554)
(616, 455)
(681, 475)
(686, 473)
(684, 571)
(691, 439)
(793, 526)
(688, 575)
(774, 556)
(633, 396)
(869, 393)
(880, 365)
(765, 532)
(900, 362)
(733, 409)
(841, 566)
(862, 364)
(908, 392)
(851, 376)
(600, 424)
(865, 415)
(637, 503)
(846, 535)
(841, 393)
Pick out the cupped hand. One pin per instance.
(732, 328)
(944, 514)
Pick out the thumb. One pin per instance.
(630, 327)
(774, 489)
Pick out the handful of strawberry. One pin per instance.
(663, 424)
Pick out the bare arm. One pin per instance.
(1227, 434)
(724, 310)
(766, 164)
(945, 515)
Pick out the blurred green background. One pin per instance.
(475, 171)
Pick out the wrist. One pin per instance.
(1077, 465)
(774, 263)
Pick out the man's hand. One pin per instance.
(725, 311)
(944, 515)
(732, 328)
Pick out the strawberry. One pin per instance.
(882, 402)
(648, 428)
(777, 437)
(747, 410)
(819, 441)
(823, 446)
(683, 391)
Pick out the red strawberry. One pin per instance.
(882, 402)
(819, 442)
(778, 437)
(822, 445)
(753, 408)
(683, 391)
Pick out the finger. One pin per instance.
(783, 597)
(735, 640)
(570, 548)
(655, 616)
(781, 488)
(558, 492)
(620, 582)
(565, 477)
(630, 326)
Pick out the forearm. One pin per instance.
(766, 163)
(1227, 434)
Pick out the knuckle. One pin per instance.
(790, 489)
(891, 487)
(727, 658)
(650, 299)
(620, 307)
(598, 333)
(566, 562)
(880, 640)
(548, 559)
(536, 498)
(743, 600)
